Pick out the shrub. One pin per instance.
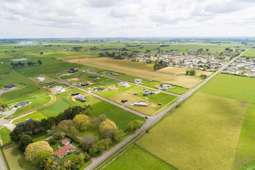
(203, 76)
(134, 125)
(104, 144)
(190, 72)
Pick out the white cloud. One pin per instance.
(107, 18)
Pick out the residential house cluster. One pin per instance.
(242, 66)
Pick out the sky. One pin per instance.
(126, 18)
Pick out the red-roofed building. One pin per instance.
(62, 151)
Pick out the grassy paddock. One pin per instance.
(202, 134)
(235, 87)
(245, 152)
(137, 158)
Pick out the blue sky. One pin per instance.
(126, 18)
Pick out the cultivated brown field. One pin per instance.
(138, 70)
(178, 71)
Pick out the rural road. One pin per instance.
(151, 121)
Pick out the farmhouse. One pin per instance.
(141, 103)
(19, 60)
(97, 89)
(40, 79)
(9, 86)
(72, 70)
(22, 104)
(80, 97)
(65, 149)
(138, 81)
(148, 92)
(165, 87)
(124, 84)
(58, 90)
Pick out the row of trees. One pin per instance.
(23, 64)
(159, 64)
(117, 55)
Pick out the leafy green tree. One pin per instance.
(82, 122)
(38, 151)
(87, 142)
(104, 144)
(24, 141)
(107, 125)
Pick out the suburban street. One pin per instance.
(151, 121)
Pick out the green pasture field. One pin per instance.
(4, 135)
(121, 117)
(212, 130)
(235, 87)
(50, 67)
(249, 53)
(35, 116)
(202, 134)
(245, 152)
(136, 158)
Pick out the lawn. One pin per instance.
(201, 134)
(135, 158)
(63, 101)
(4, 135)
(35, 116)
(178, 90)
